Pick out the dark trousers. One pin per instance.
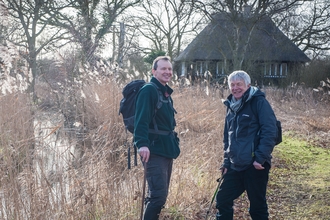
(159, 170)
(235, 183)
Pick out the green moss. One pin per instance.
(302, 155)
(302, 175)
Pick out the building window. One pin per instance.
(220, 70)
(199, 68)
(284, 70)
(275, 70)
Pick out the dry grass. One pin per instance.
(16, 147)
(93, 182)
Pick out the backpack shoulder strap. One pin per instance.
(253, 105)
(158, 106)
(161, 99)
(160, 96)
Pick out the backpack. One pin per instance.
(278, 138)
(127, 104)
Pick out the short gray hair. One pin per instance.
(239, 75)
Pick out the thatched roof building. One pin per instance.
(254, 44)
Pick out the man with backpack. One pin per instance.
(154, 135)
(250, 134)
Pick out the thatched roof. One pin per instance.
(267, 42)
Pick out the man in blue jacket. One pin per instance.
(157, 149)
(249, 139)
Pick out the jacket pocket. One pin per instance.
(243, 126)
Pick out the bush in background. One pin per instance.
(315, 72)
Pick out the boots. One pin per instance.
(151, 213)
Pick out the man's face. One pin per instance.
(163, 73)
(238, 88)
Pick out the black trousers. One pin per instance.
(159, 170)
(235, 183)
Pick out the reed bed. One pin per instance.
(90, 180)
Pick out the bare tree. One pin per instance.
(244, 15)
(308, 26)
(90, 21)
(31, 35)
(261, 7)
(166, 23)
(3, 22)
(305, 22)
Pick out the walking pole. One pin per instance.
(219, 180)
(143, 189)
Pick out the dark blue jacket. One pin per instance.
(241, 148)
(159, 144)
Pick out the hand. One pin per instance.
(258, 166)
(223, 170)
(144, 153)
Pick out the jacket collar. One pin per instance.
(165, 89)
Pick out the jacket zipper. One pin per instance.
(237, 126)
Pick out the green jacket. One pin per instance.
(162, 145)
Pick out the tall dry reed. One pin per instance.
(95, 182)
(16, 152)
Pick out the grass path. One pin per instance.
(299, 185)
